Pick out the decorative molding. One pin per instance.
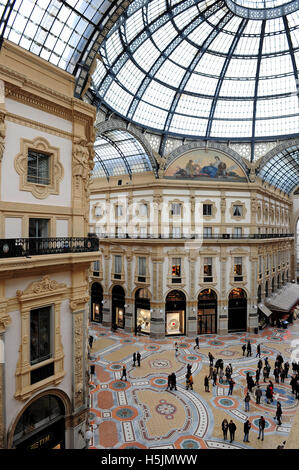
(40, 191)
(24, 121)
(45, 286)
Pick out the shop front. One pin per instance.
(118, 306)
(41, 426)
(142, 311)
(175, 313)
(96, 302)
(207, 312)
(237, 310)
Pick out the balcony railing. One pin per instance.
(14, 247)
(217, 236)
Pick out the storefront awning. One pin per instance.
(285, 299)
(265, 310)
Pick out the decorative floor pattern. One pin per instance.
(141, 413)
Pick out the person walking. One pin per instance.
(278, 413)
(286, 369)
(268, 370)
(282, 375)
(138, 358)
(247, 401)
(224, 427)
(258, 394)
(227, 373)
(276, 375)
(211, 370)
(214, 377)
(90, 341)
(262, 424)
(250, 384)
(231, 386)
(206, 384)
(173, 380)
(232, 429)
(176, 349)
(134, 359)
(211, 358)
(189, 368)
(169, 382)
(257, 376)
(258, 350)
(244, 349)
(217, 365)
(293, 384)
(124, 373)
(247, 427)
(260, 365)
(92, 371)
(221, 375)
(196, 343)
(249, 352)
(190, 382)
(268, 395)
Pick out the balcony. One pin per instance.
(27, 247)
(222, 236)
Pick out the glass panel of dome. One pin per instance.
(237, 88)
(146, 55)
(271, 108)
(193, 106)
(210, 64)
(134, 24)
(238, 109)
(154, 9)
(235, 129)
(272, 127)
(275, 65)
(199, 84)
(199, 35)
(241, 68)
(118, 97)
(185, 17)
(277, 86)
(183, 54)
(150, 115)
(170, 73)
(188, 125)
(114, 46)
(158, 95)
(130, 76)
(222, 43)
(164, 35)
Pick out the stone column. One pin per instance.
(252, 311)
(129, 316)
(5, 321)
(158, 304)
(222, 211)
(222, 310)
(107, 305)
(191, 314)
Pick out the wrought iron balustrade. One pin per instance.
(222, 236)
(15, 247)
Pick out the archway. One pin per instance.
(96, 300)
(118, 306)
(41, 425)
(278, 281)
(142, 311)
(267, 289)
(175, 313)
(237, 310)
(207, 312)
(273, 285)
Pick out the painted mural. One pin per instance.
(205, 165)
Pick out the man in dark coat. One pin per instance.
(211, 358)
(169, 383)
(134, 359)
(247, 427)
(249, 353)
(90, 341)
(173, 380)
(196, 343)
(278, 413)
(244, 349)
(232, 429)
(258, 351)
(262, 424)
(138, 358)
(258, 394)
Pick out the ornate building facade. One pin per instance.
(45, 162)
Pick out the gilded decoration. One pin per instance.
(83, 163)
(2, 132)
(40, 191)
(38, 294)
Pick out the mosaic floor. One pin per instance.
(141, 413)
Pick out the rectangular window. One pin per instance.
(175, 209)
(143, 210)
(142, 232)
(96, 268)
(118, 211)
(40, 335)
(207, 269)
(207, 209)
(176, 270)
(238, 269)
(38, 168)
(38, 228)
(237, 232)
(176, 232)
(117, 267)
(237, 211)
(207, 232)
(141, 266)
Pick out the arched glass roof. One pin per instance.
(282, 170)
(63, 32)
(196, 68)
(117, 153)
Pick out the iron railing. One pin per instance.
(14, 247)
(221, 236)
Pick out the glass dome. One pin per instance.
(200, 70)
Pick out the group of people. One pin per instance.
(231, 428)
(218, 370)
(171, 383)
(136, 357)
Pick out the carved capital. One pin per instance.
(79, 304)
(5, 319)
